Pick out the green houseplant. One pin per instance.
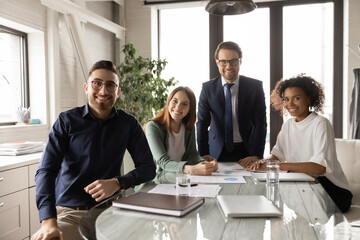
(143, 91)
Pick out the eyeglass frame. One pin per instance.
(218, 61)
(102, 85)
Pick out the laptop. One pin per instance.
(285, 177)
(247, 206)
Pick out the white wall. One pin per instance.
(138, 20)
(53, 60)
(99, 45)
(29, 16)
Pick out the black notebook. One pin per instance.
(159, 203)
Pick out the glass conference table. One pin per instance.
(305, 216)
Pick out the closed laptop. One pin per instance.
(285, 177)
(247, 206)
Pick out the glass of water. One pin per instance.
(272, 171)
(273, 193)
(182, 184)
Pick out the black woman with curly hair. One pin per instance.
(306, 142)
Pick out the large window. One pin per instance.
(184, 43)
(13, 74)
(308, 45)
(251, 32)
(279, 40)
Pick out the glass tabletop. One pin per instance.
(308, 213)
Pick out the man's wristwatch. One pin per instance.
(120, 181)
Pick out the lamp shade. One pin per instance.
(226, 7)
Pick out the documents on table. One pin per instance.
(222, 166)
(218, 177)
(200, 190)
(230, 173)
(159, 203)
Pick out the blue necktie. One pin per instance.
(229, 143)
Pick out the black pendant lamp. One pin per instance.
(226, 7)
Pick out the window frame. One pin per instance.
(276, 56)
(25, 89)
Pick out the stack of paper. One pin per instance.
(19, 148)
(200, 190)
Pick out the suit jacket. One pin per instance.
(251, 117)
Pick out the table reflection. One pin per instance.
(308, 213)
(152, 226)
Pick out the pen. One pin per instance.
(191, 185)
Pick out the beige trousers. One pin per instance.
(68, 222)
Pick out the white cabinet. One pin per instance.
(18, 212)
(14, 217)
(34, 213)
(13, 180)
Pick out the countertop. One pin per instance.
(10, 162)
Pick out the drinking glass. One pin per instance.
(182, 184)
(272, 171)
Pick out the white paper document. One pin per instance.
(219, 177)
(20, 148)
(222, 166)
(200, 190)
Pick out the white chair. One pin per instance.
(348, 153)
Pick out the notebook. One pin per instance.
(159, 203)
(285, 177)
(247, 206)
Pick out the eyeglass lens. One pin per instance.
(110, 86)
(232, 62)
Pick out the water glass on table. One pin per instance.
(273, 193)
(182, 184)
(272, 171)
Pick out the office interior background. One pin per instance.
(63, 38)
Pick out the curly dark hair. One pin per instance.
(310, 86)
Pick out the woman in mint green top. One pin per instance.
(171, 136)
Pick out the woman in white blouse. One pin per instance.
(306, 143)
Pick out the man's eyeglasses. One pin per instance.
(110, 86)
(233, 62)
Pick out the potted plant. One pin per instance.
(143, 91)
